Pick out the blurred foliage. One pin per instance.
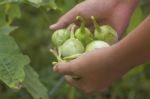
(33, 38)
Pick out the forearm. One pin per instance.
(135, 48)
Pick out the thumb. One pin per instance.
(64, 68)
(65, 20)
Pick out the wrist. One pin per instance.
(134, 49)
(121, 57)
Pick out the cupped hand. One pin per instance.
(97, 69)
(116, 13)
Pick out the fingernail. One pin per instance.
(55, 68)
(53, 26)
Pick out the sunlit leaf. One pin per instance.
(12, 62)
(9, 1)
(7, 29)
(14, 11)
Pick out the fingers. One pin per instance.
(80, 84)
(67, 19)
(64, 68)
(75, 83)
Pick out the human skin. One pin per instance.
(99, 68)
(116, 13)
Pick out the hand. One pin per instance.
(113, 12)
(97, 69)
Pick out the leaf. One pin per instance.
(33, 84)
(36, 3)
(46, 3)
(12, 11)
(65, 5)
(135, 71)
(145, 6)
(12, 62)
(135, 19)
(7, 29)
(53, 4)
(2, 16)
(8, 1)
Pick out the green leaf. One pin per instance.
(145, 6)
(2, 16)
(53, 4)
(46, 3)
(12, 62)
(65, 5)
(8, 1)
(36, 3)
(13, 11)
(135, 71)
(33, 84)
(135, 19)
(7, 29)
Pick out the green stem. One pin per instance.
(58, 56)
(82, 27)
(7, 8)
(69, 27)
(96, 25)
(72, 31)
(71, 92)
(59, 53)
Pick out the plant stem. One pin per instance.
(72, 31)
(82, 27)
(96, 25)
(58, 56)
